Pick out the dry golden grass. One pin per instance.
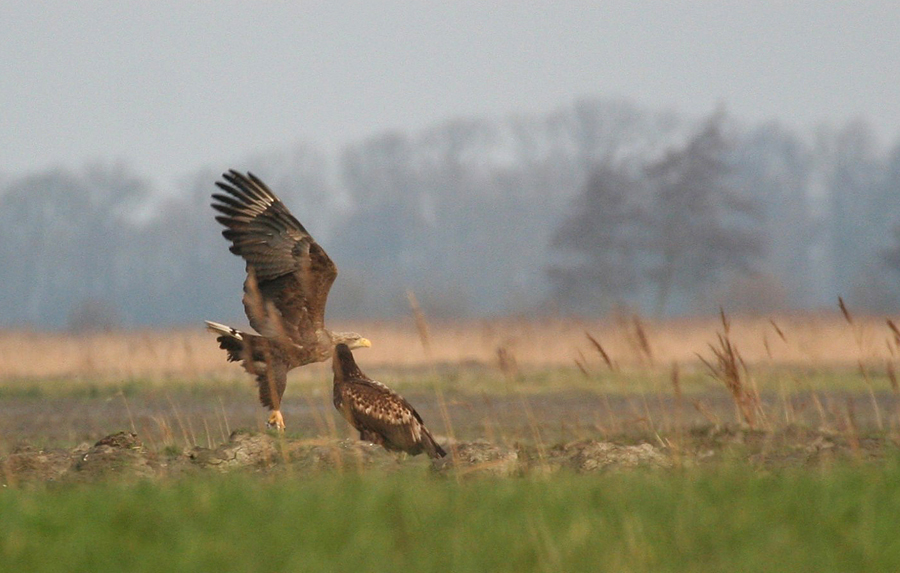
(825, 340)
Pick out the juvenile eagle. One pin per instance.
(288, 278)
(381, 415)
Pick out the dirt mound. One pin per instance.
(27, 464)
(119, 455)
(591, 456)
(329, 454)
(479, 458)
(243, 450)
(264, 452)
(122, 456)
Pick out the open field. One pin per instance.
(677, 446)
(506, 381)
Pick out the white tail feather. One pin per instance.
(223, 329)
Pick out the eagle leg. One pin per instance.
(276, 421)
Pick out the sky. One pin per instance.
(169, 87)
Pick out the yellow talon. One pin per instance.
(276, 420)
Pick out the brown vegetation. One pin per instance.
(823, 340)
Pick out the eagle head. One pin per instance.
(351, 339)
(344, 365)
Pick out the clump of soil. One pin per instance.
(789, 446)
(479, 458)
(331, 454)
(243, 450)
(264, 452)
(119, 455)
(27, 464)
(592, 456)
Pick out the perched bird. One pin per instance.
(288, 279)
(381, 415)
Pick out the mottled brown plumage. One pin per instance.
(285, 292)
(379, 414)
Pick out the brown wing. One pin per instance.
(288, 272)
(373, 407)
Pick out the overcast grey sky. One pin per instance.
(171, 86)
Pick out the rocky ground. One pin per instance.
(123, 456)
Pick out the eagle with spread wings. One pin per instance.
(379, 414)
(288, 279)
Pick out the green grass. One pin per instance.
(474, 380)
(729, 519)
(40, 388)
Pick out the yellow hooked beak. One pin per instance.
(363, 343)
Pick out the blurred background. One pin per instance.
(521, 159)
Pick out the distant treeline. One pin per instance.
(594, 207)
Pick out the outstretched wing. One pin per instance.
(289, 274)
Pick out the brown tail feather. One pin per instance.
(233, 346)
(431, 446)
(230, 339)
(240, 345)
(259, 357)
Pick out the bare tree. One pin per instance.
(599, 244)
(703, 226)
(890, 189)
(776, 167)
(61, 233)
